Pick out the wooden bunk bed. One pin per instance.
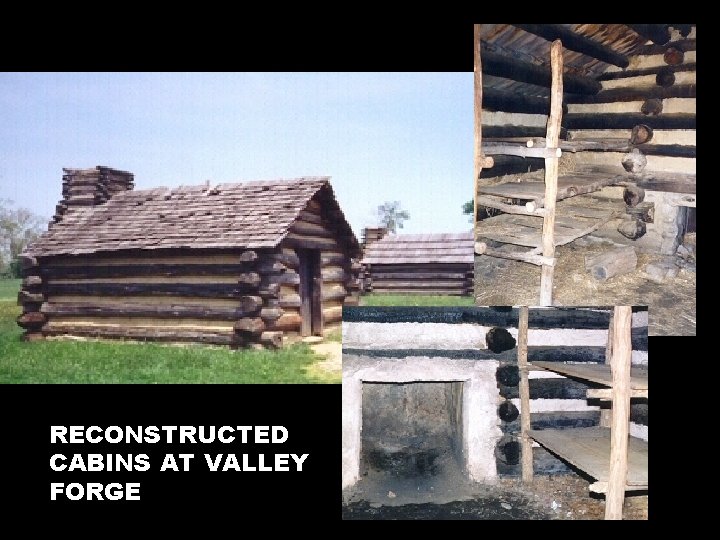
(563, 220)
(618, 462)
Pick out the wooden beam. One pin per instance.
(477, 115)
(225, 290)
(509, 149)
(496, 132)
(628, 121)
(499, 100)
(513, 165)
(141, 269)
(551, 172)
(620, 420)
(491, 202)
(613, 75)
(527, 461)
(634, 94)
(657, 33)
(128, 309)
(499, 65)
(533, 256)
(683, 45)
(577, 42)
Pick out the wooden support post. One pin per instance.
(605, 412)
(551, 172)
(527, 454)
(478, 120)
(620, 427)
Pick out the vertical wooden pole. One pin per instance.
(477, 107)
(605, 411)
(620, 427)
(527, 456)
(551, 171)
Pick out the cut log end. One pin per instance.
(652, 106)
(665, 78)
(633, 195)
(641, 134)
(273, 340)
(632, 229)
(480, 248)
(674, 56)
(252, 325)
(634, 161)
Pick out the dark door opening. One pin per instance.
(310, 293)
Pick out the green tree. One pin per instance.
(18, 227)
(468, 209)
(391, 217)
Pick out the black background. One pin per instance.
(207, 41)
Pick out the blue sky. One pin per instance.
(380, 136)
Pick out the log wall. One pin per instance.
(230, 297)
(437, 278)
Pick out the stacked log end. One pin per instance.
(90, 187)
(31, 298)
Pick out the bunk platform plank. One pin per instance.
(575, 218)
(599, 373)
(589, 450)
(568, 186)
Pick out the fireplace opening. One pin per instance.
(412, 430)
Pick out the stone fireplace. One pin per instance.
(419, 416)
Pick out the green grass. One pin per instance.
(117, 362)
(378, 299)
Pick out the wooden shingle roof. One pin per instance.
(248, 215)
(454, 248)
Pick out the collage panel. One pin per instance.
(585, 168)
(494, 412)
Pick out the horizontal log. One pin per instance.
(248, 256)
(512, 165)
(509, 149)
(555, 420)
(271, 313)
(222, 290)
(32, 282)
(252, 325)
(628, 121)
(273, 340)
(657, 33)
(289, 321)
(251, 279)
(613, 75)
(419, 284)
(288, 278)
(606, 393)
(549, 389)
(266, 266)
(290, 301)
(271, 290)
(311, 229)
(28, 297)
(612, 263)
(499, 65)
(31, 320)
(669, 150)
(308, 242)
(333, 259)
(502, 132)
(332, 314)
(31, 307)
(146, 310)
(142, 334)
(418, 275)
(290, 260)
(333, 274)
(27, 261)
(577, 42)
(409, 291)
(531, 256)
(666, 182)
(635, 94)
(498, 100)
(310, 217)
(334, 293)
(430, 267)
(140, 270)
(494, 202)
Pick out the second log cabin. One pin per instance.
(237, 264)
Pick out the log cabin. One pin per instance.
(620, 143)
(258, 263)
(419, 264)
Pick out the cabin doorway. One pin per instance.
(310, 293)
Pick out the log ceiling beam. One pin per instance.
(499, 65)
(657, 33)
(576, 42)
